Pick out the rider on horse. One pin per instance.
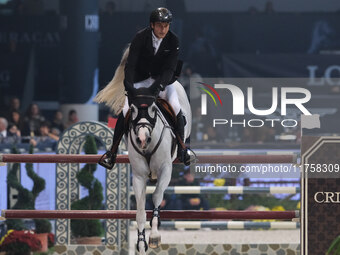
(151, 63)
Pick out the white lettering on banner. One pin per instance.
(30, 37)
(92, 23)
(254, 122)
(327, 197)
(262, 112)
(295, 101)
(330, 76)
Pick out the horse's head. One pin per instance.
(143, 117)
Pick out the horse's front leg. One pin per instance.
(163, 180)
(139, 187)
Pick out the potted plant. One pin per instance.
(88, 231)
(42, 232)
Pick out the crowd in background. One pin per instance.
(31, 126)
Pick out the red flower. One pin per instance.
(15, 239)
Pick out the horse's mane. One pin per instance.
(113, 95)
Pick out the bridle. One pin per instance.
(135, 126)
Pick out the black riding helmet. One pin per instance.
(160, 14)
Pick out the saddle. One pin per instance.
(167, 111)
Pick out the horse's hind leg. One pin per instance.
(157, 197)
(139, 187)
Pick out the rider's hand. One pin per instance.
(154, 89)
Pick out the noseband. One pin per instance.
(147, 125)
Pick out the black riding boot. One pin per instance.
(108, 160)
(182, 150)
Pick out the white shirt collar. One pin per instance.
(4, 133)
(156, 42)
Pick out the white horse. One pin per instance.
(150, 142)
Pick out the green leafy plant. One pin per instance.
(334, 249)
(23, 194)
(82, 228)
(26, 198)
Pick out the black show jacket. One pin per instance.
(142, 63)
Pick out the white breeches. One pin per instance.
(169, 94)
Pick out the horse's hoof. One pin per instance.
(154, 242)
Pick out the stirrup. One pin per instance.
(141, 239)
(192, 155)
(187, 156)
(156, 213)
(108, 160)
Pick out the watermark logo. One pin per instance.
(239, 99)
(279, 103)
(204, 96)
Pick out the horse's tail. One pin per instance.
(113, 95)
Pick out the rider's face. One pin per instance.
(160, 29)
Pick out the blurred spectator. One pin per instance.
(14, 104)
(269, 8)
(169, 202)
(13, 134)
(198, 127)
(192, 201)
(211, 135)
(57, 124)
(3, 130)
(32, 121)
(258, 135)
(72, 118)
(45, 139)
(55, 132)
(15, 119)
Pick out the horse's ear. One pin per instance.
(134, 111)
(152, 110)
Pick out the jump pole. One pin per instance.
(202, 159)
(130, 214)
